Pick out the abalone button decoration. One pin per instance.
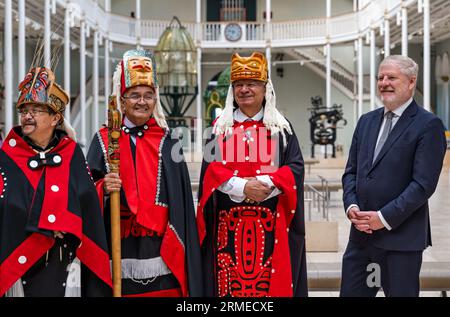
(57, 159)
(51, 218)
(34, 164)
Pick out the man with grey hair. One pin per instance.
(393, 168)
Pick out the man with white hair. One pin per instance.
(250, 212)
(393, 168)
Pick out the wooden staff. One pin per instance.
(114, 121)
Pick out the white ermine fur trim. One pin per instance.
(69, 130)
(158, 112)
(16, 290)
(273, 119)
(225, 121)
(73, 281)
(117, 85)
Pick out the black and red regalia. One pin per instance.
(253, 250)
(160, 247)
(43, 192)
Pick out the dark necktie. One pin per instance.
(384, 135)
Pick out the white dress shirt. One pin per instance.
(234, 187)
(397, 114)
(130, 124)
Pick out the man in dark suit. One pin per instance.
(393, 168)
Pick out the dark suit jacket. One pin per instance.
(400, 181)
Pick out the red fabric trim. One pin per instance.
(140, 184)
(281, 278)
(95, 258)
(173, 292)
(54, 213)
(20, 154)
(281, 281)
(33, 248)
(233, 152)
(215, 175)
(283, 178)
(100, 192)
(173, 254)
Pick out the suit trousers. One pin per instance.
(366, 268)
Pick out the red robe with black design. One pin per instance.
(160, 248)
(253, 249)
(36, 202)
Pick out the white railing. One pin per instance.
(255, 31)
(343, 25)
(214, 31)
(153, 29)
(302, 32)
(305, 29)
(122, 26)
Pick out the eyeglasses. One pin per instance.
(251, 85)
(33, 112)
(135, 98)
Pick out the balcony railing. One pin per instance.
(316, 31)
(214, 31)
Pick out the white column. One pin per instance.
(328, 58)
(21, 39)
(446, 103)
(387, 39)
(95, 82)
(268, 36)
(426, 55)
(107, 75)
(7, 66)
(198, 20)
(373, 74)
(138, 9)
(107, 62)
(67, 60)
(83, 83)
(47, 35)
(360, 77)
(199, 112)
(404, 30)
(138, 23)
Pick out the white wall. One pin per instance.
(301, 9)
(185, 9)
(441, 48)
(158, 10)
(294, 92)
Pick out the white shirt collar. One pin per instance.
(239, 116)
(399, 111)
(128, 123)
